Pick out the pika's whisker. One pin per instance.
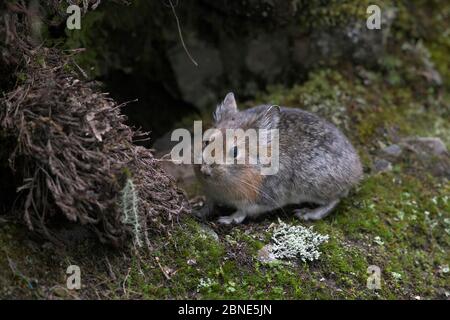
(255, 188)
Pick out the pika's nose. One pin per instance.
(206, 170)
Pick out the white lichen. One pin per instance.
(444, 269)
(378, 241)
(129, 202)
(205, 283)
(291, 242)
(397, 276)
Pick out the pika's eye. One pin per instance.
(235, 151)
(205, 143)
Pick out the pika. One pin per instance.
(317, 164)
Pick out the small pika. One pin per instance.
(317, 164)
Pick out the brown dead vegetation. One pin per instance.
(68, 146)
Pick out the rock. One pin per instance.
(197, 83)
(265, 254)
(191, 262)
(426, 146)
(60, 292)
(364, 44)
(182, 173)
(393, 150)
(431, 152)
(252, 44)
(353, 40)
(207, 230)
(264, 55)
(381, 165)
(429, 70)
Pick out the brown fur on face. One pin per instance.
(244, 187)
(248, 185)
(236, 182)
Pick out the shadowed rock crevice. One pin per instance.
(239, 46)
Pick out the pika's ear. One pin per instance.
(227, 107)
(270, 118)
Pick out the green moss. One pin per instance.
(397, 222)
(110, 36)
(20, 269)
(333, 13)
(93, 56)
(374, 226)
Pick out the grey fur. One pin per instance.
(317, 164)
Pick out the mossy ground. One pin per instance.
(397, 220)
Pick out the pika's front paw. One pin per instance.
(236, 218)
(227, 220)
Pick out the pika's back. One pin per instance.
(313, 152)
(302, 129)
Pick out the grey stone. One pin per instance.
(429, 70)
(354, 40)
(182, 173)
(264, 55)
(381, 165)
(252, 55)
(197, 83)
(210, 232)
(432, 153)
(60, 292)
(430, 146)
(265, 254)
(393, 150)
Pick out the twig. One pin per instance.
(125, 281)
(181, 35)
(162, 269)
